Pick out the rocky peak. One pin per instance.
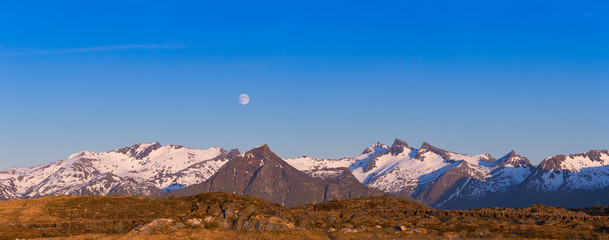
(512, 154)
(375, 148)
(426, 147)
(140, 150)
(552, 163)
(398, 147)
(593, 155)
(261, 152)
(513, 159)
(398, 142)
(487, 157)
(261, 173)
(569, 162)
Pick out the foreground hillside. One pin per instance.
(222, 215)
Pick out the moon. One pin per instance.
(244, 99)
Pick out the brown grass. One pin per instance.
(208, 234)
(112, 217)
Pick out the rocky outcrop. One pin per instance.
(572, 162)
(552, 163)
(512, 159)
(398, 147)
(374, 148)
(426, 147)
(140, 150)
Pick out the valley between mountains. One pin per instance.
(436, 177)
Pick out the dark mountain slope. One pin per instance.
(261, 173)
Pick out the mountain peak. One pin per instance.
(512, 153)
(139, 150)
(426, 147)
(262, 151)
(399, 142)
(513, 159)
(575, 162)
(593, 155)
(487, 157)
(377, 147)
(262, 147)
(553, 163)
(398, 147)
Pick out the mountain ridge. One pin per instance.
(438, 177)
(261, 173)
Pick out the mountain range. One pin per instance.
(437, 177)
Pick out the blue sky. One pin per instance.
(324, 79)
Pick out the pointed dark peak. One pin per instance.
(140, 150)
(513, 160)
(399, 143)
(512, 154)
(426, 147)
(507, 156)
(398, 147)
(375, 147)
(261, 152)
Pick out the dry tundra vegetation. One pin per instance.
(228, 216)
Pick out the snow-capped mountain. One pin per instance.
(586, 171)
(435, 175)
(144, 169)
(449, 180)
(320, 168)
(399, 168)
(438, 177)
(575, 180)
(462, 188)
